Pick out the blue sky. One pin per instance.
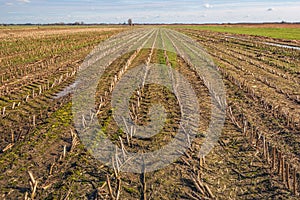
(148, 11)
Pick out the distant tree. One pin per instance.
(130, 22)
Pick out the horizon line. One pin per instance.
(103, 23)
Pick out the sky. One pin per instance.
(148, 11)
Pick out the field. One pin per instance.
(42, 155)
(278, 31)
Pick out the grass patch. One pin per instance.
(281, 33)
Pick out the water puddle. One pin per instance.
(282, 45)
(68, 90)
(267, 43)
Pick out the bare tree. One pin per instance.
(130, 22)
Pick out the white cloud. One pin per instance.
(24, 1)
(207, 5)
(9, 3)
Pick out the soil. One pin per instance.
(236, 168)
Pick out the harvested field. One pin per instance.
(42, 151)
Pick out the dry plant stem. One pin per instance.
(34, 190)
(118, 189)
(198, 196)
(3, 111)
(282, 169)
(198, 185)
(191, 196)
(279, 163)
(26, 196)
(109, 188)
(33, 184)
(74, 140)
(264, 147)
(33, 120)
(12, 136)
(31, 177)
(186, 162)
(8, 147)
(278, 159)
(144, 195)
(268, 153)
(209, 191)
(51, 168)
(68, 194)
(273, 158)
(287, 174)
(64, 152)
(123, 148)
(294, 182)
